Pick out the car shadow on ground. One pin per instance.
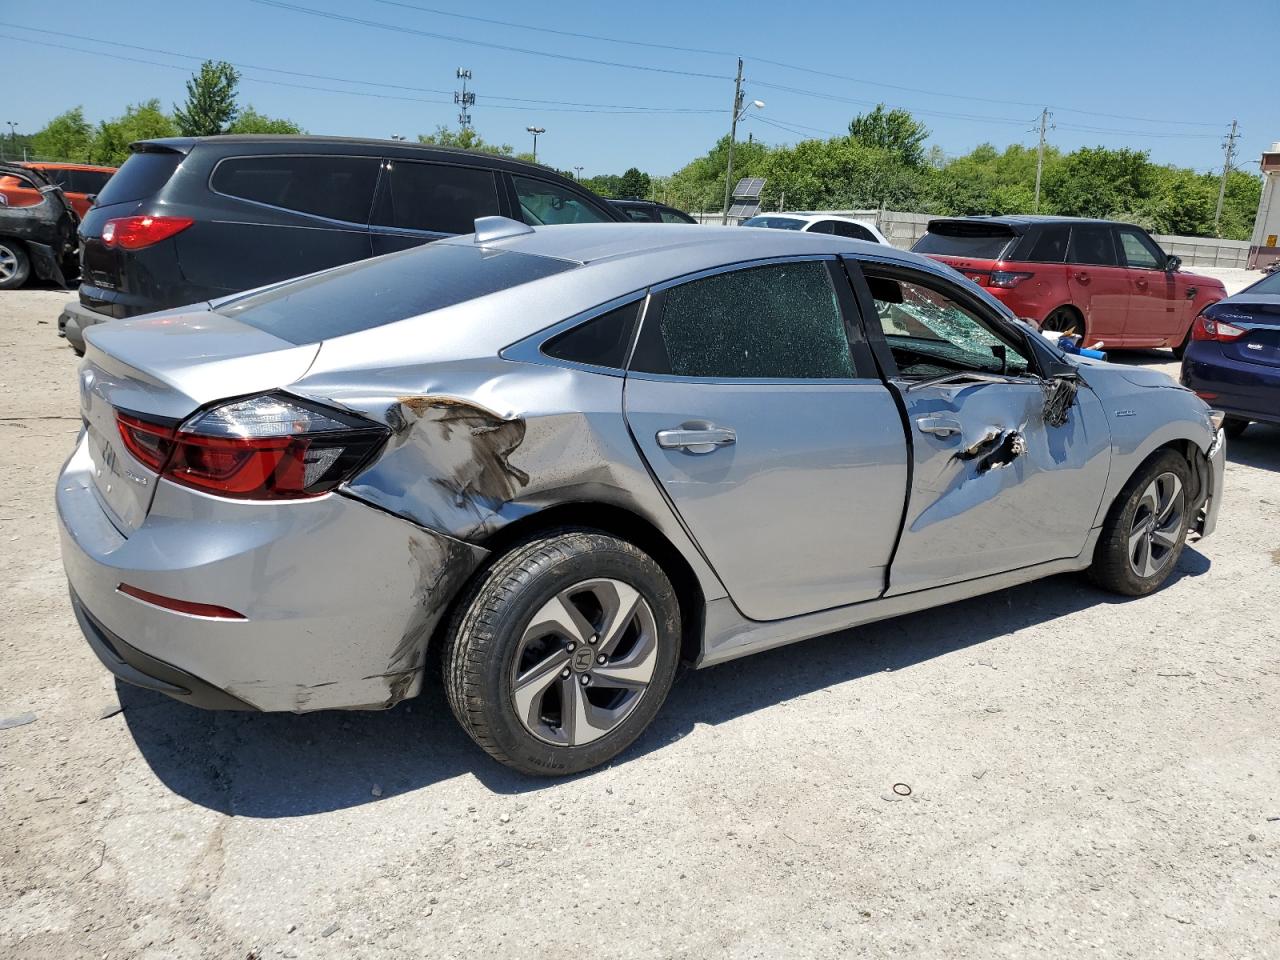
(1258, 446)
(285, 765)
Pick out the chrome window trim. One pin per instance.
(737, 266)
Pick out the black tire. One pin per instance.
(492, 623)
(1114, 567)
(1234, 426)
(15, 265)
(1065, 320)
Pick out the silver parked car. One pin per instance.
(570, 457)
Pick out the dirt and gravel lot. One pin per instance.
(1089, 777)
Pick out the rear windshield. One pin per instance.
(372, 293)
(778, 223)
(1268, 284)
(981, 241)
(142, 175)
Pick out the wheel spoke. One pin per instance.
(1165, 537)
(1142, 556)
(561, 617)
(532, 684)
(1172, 490)
(1138, 536)
(633, 671)
(579, 718)
(619, 612)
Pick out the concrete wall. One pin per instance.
(904, 229)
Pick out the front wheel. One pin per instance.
(1066, 321)
(563, 652)
(15, 266)
(1146, 528)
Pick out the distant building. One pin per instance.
(1264, 248)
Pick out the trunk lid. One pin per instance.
(163, 368)
(1260, 316)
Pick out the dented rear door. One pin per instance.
(994, 485)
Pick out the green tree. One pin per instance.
(68, 136)
(211, 101)
(895, 131)
(840, 174)
(634, 183)
(251, 121)
(1100, 182)
(140, 121)
(464, 139)
(702, 179)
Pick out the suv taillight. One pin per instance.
(134, 233)
(1008, 279)
(270, 447)
(1206, 328)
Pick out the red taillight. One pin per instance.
(1008, 279)
(134, 233)
(1206, 328)
(181, 606)
(263, 448)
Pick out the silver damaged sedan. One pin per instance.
(566, 459)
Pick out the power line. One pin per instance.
(638, 108)
(777, 63)
(394, 28)
(552, 105)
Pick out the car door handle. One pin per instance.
(937, 426)
(1141, 282)
(696, 437)
(1081, 276)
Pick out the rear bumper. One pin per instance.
(338, 598)
(75, 319)
(1250, 391)
(1207, 522)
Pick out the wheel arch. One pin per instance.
(1188, 449)
(609, 519)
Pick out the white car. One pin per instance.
(820, 223)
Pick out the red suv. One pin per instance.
(1107, 282)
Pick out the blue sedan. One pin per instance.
(1233, 360)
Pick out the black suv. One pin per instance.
(650, 211)
(192, 219)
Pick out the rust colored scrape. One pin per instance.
(476, 443)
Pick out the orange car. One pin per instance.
(80, 182)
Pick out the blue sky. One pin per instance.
(1166, 77)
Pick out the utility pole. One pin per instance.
(464, 99)
(1044, 122)
(1229, 153)
(535, 131)
(733, 135)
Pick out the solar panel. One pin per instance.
(747, 209)
(748, 188)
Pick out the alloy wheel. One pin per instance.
(584, 662)
(8, 264)
(1157, 524)
(1062, 321)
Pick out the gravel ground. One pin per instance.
(1088, 776)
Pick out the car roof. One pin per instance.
(1021, 222)
(357, 146)
(52, 165)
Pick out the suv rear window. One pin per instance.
(337, 188)
(372, 293)
(142, 175)
(981, 241)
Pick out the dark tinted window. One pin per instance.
(668, 215)
(142, 175)
(1139, 250)
(85, 181)
(1270, 284)
(1091, 244)
(601, 342)
(777, 223)
(854, 231)
(1048, 245)
(981, 241)
(776, 321)
(638, 214)
(436, 197)
(339, 188)
(822, 226)
(370, 293)
(544, 202)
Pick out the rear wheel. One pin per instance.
(1234, 426)
(563, 652)
(1146, 529)
(15, 267)
(1064, 320)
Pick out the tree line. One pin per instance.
(882, 162)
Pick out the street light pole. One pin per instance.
(578, 172)
(535, 131)
(13, 136)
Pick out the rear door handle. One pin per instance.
(938, 426)
(696, 437)
(1081, 277)
(1141, 282)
